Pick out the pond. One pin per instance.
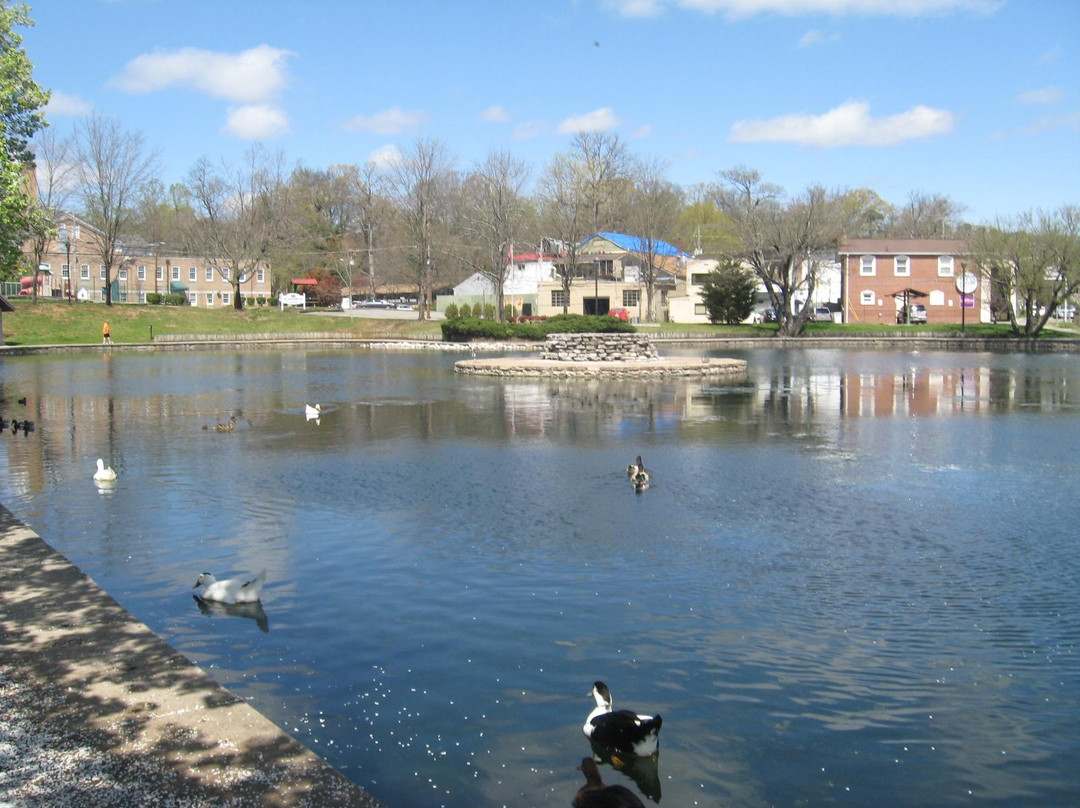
(854, 579)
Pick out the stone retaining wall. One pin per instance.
(599, 348)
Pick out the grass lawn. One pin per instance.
(49, 322)
(60, 323)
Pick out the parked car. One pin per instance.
(766, 315)
(823, 314)
(916, 313)
(375, 304)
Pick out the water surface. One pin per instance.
(855, 578)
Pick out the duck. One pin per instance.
(312, 412)
(623, 731)
(634, 468)
(104, 474)
(594, 794)
(228, 426)
(231, 590)
(640, 480)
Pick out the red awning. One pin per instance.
(304, 282)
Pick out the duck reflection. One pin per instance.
(644, 771)
(252, 611)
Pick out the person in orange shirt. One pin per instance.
(106, 337)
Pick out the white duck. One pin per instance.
(622, 731)
(312, 412)
(103, 474)
(231, 590)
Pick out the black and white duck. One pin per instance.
(594, 794)
(622, 731)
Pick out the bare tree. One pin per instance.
(421, 183)
(55, 177)
(565, 215)
(111, 166)
(778, 240)
(239, 215)
(494, 211)
(654, 214)
(1032, 263)
(373, 215)
(603, 168)
(924, 216)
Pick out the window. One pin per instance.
(867, 297)
(65, 271)
(84, 272)
(142, 297)
(161, 273)
(209, 299)
(101, 270)
(226, 299)
(209, 274)
(176, 273)
(225, 273)
(698, 278)
(192, 274)
(700, 308)
(945, 266)
(122, 273)
(193, 299)
(140, 272)
(559, 298)
(868, 265)
(259, 275)
(902, 266)
(631, 297)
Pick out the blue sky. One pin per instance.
(978, 100)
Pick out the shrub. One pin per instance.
(154, 298)
(451, 312)
(728, 293)
(488, 311)
(464, 329)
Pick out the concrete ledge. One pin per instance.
(104, 678)
(664, 367)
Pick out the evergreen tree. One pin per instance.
(728, 293)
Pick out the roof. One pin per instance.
(635, 244)
(902, 246)
(5, 304)
(304, 282)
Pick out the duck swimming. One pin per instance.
(228, 426)
(622, 731)
(103, 474)
(231, 590)
(312, 412)
(634, 468)
(594, 794)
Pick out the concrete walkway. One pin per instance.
(97, 710)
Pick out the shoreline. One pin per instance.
(96, 709)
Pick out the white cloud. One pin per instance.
(814, 37)
(531, 129)
(1043, 95)
(1070, 121)
(495, 114)
(739, 9)
(391, 121)
(256, 122)
(599, 120)
(247, 77)
(385, 157)
(64, 104)
(849, 124)
(636, 8)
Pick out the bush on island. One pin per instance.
(464, 329)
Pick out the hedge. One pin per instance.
(464, 329)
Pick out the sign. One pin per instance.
(967, 301)
(966, 283)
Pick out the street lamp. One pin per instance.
(65, 239)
